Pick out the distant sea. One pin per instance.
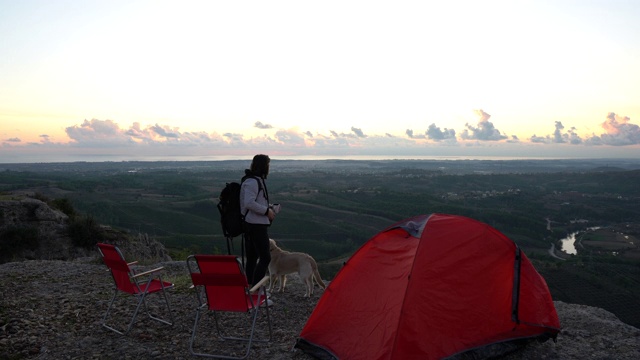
(111, 158)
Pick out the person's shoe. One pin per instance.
(269, 302)
(268, 293)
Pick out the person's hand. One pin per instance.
(271, 214)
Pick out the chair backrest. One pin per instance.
(224, 282)
(119, 268)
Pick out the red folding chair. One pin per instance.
(221, 286)
(139, 285)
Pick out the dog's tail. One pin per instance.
(316, 274)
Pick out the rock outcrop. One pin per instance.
(31, 229)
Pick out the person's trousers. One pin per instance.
(258, 255)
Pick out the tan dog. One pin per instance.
(285, 262)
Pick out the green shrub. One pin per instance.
(41, 197)
(65, 206)
(85, 231)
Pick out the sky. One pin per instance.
(125, 80)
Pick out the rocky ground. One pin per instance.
(52, 309)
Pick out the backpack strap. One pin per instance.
(260, 183)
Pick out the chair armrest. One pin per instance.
(148, 272)
(259, 284)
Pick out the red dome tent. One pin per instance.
(431, 287)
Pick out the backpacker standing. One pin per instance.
(254, 202)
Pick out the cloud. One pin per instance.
(411, 135)
(540, 139)
(619, 132)
(165, 131)
(199, 137)
(335, 140)
(557, 134)
(434, 133)
(514, 139)
(341, 135)
(485, 130)
(484, 117)
(97, 132)
(157, 134)
(290, 137)
(101, 133)
(260, 125)
(108, 138)
(573, 137)
(358, 132)
(44, 138)
(135, 131)
(261, 142)
(570, 136)
(357, 140)
(233, 137)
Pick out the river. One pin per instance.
(568, 243)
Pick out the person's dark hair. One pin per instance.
(260, 165)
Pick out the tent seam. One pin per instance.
(404, 297)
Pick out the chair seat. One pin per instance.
(155, 286)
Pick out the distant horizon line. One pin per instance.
(216, 158)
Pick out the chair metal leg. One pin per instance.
(141, 300)
(249, 340)
(166, 300)
(151, 316)
(214, 356)
(135, 313)
(193, 334)
(104, 319)
(269, 323)
(106, 315)
(218, 330)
